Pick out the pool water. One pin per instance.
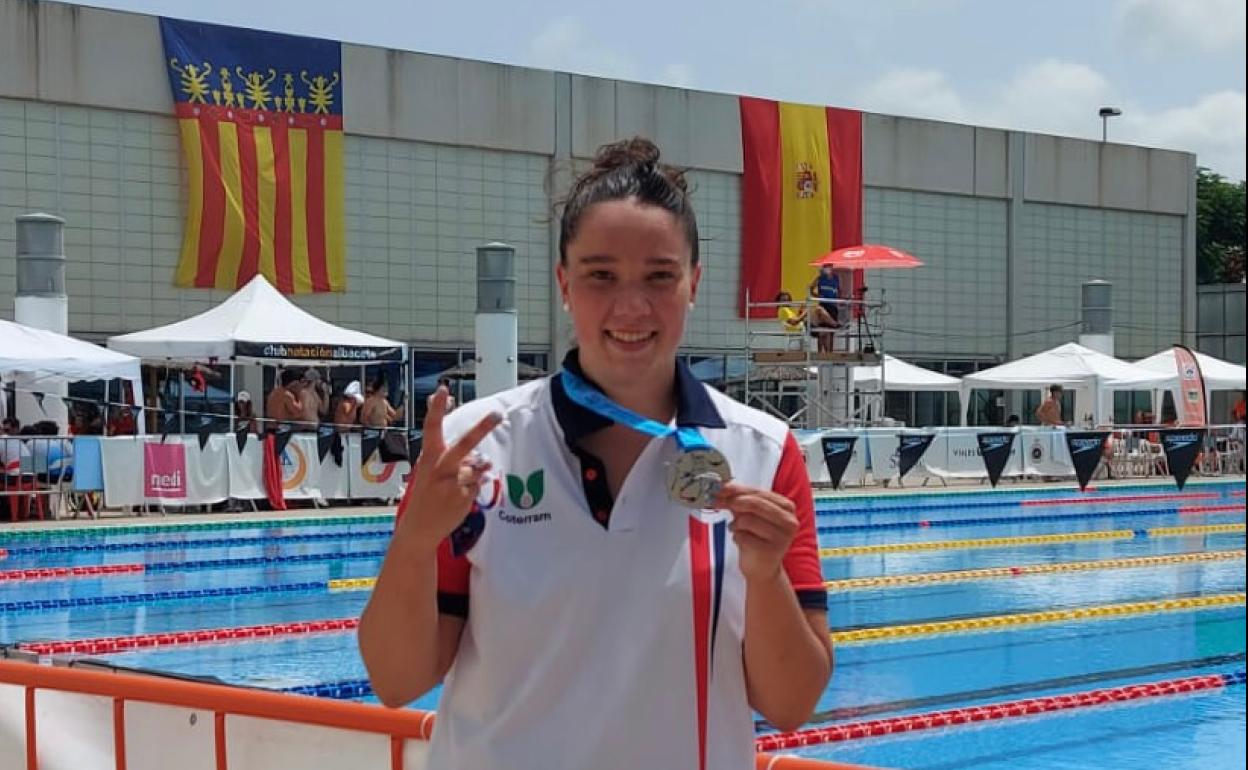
(258, 573)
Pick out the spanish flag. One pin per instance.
(260, 118)
(801, 195)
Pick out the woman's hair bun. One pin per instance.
(626, 152)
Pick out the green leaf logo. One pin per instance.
(525, 494)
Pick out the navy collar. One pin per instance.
(694, 407)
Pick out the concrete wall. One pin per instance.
(443, 153)
(415, 213)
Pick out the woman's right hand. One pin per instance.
(444, 480)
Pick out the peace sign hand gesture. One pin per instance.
(444, 479)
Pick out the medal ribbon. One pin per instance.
(583, 394)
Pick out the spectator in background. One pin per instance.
(825, 316)
(283, 404)
(122, 423)
(1239, 412)
(10, 426)
(1013, 421)
(244, 412)
(376, 411)
(313, 400)
(792, 319)
(12, 452)
(85, 419)
(347, 412)
(1049, 413)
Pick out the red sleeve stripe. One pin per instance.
(801, 563)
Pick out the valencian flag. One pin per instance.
(260, 118)
(801, 195)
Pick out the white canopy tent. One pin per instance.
(898, 376)
(901, 375)
(1218, 374)
(258, 324)
(44, 361)
(1091, 375)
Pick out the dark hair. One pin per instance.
(291, 375)
(629, 169)
(783, 296)
(1055, 388)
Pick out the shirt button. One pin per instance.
(591, 474)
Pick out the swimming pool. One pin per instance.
(941, 602)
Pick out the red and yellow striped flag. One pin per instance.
(801, 195)
(260, 119)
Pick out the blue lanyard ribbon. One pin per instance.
(583, 394)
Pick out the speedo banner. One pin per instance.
(910, 449)
(994, 448)
(837, 452)
(1085, 453)
(1182, 447)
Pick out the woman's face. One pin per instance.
(628, 284)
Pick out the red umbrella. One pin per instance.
(868, 256)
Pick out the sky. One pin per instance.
(1176, 68)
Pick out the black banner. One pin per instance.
(837, 452)
(168, 423)
(240, 437)
(324, 441)
(994, 448)
(369, 440)
(393, 446)
(910, 450)
(203, 430)
(415, 440)
(298, 351)
(1182, 447)
(282, 437)
(1085, 453)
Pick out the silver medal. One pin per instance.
(696, 476)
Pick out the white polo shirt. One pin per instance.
(604, 634)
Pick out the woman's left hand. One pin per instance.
(763, 525)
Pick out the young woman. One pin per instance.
(596, 591)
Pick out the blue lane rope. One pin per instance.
(837, 510)
(345, 690)
(39, 605)
(1026, 494)
(351, 689)
(986, 520)
(199, 564)
(216, 542)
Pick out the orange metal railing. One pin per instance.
(400, 725)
